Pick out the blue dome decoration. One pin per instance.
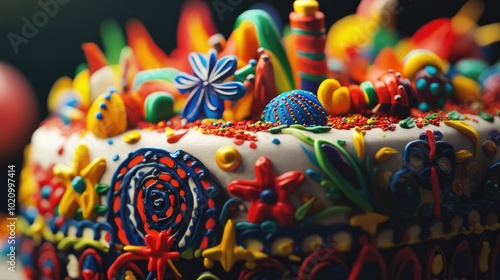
(295, 107)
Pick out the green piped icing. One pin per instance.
(269, 39)
(358, 195)
(313, 129)
(302, 136)
(277, 129)
(407, 123)
(301, 212)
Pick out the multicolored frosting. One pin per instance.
(310, 155)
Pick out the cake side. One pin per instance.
(264, 155)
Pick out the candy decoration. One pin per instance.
(265, 86)
(433, 88)
(295, 107)
(466, 90)
(62, 94)
(268, 38)
(268, 193)
(108, 120)
(491, 87)
(159, 106)
(113, 40)
(308, 31)
(95, 58)
(155, 190)
(207, 88)
(228, 158)
(334, 98)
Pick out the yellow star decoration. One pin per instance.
(80, 180)
(228, 252)
(368, 221)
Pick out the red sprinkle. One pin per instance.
(252, 145)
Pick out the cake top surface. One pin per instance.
(260, 77)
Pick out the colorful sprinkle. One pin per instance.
(132, 137)
(276, 141)
(116, 157)
(407, 123)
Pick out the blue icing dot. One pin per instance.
(424, 107)
(421, 84)
(269, 197)
(107, 96)
(45, 191)
(431, 70)
(78, 184)
(110, 142)
(116, 157)
(434, 89)
(276, 141)
(111, 89)
(438, 135)
(252, 62)
(98, 115)
(103, 106)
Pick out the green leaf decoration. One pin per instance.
(101, 188)
(343, 171)
(333, 210)
(301, 212)
(100, 209)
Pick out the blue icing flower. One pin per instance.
(207, 88)
(430, 163)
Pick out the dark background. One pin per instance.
(55, 50)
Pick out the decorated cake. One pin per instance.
(311, 152)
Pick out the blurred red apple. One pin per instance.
(19, 113)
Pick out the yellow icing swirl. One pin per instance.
(228, 158)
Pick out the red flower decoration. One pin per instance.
(268, 194)
(157, 252)
(51, 189)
